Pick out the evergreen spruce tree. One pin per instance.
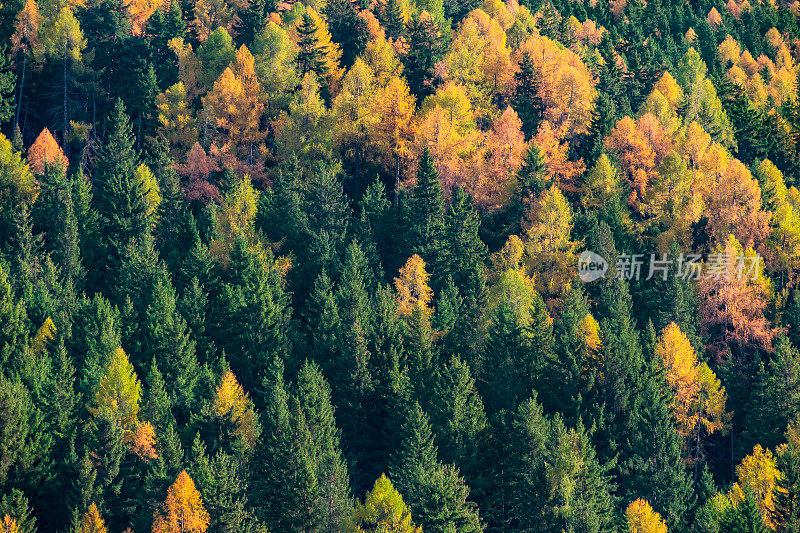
(457, 413)
(13, 321)
(427, 46)
(435, 492)
(310, 55)
(527, 101)
(423, 211)
(118, 196)
(249, 315)
(166, 341)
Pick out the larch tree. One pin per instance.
(732, 301)
(355, 114)
(232, 404)
(479, 60)
(8, 525)
(394, 109)
(92, 522)
(176, 120)
(118, 392)
(46, 151)
(413, 291)
(183, 510)
(235, 111)
(549, 249)
(699, 400)
(567, 87)
(384, 510)
(642, 519)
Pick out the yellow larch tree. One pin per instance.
(176, 122)
(699, 397)
(758, 473)
(567, 86)
(183, 510)
(92, 522)
(188, 67)
(8, 525)
(384, 510)
(235, 110)
(480, 61)
(394, 129)
(412, 287)
(491, 176)
(149, 184)
(550, 254)
(642, 518)
(232, 403)
(119, 392)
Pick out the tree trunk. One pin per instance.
(21, 87)
(396, 180)
(66, 109)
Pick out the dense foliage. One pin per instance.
(315, 266)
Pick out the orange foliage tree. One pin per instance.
(46, 151)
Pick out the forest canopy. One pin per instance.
(399, 266)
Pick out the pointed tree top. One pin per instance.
(46, 151)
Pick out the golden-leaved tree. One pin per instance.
(480, 61)
(699, 399)
(394, 129)
(550, 253)
(92, 522)
(183, 510)
(232, 404)
(413, 291)
(642, 518)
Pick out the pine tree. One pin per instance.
(435, 492)
(527, 100)
(423, 210)
(118, 197)
(427, 46)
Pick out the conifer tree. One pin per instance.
(119, 198)
(423, 210)
(166, 340)
(527, 101)
(427, 46)
(384, 510)
(183, 510)
(435, 492)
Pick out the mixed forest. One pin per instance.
(313, 266)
